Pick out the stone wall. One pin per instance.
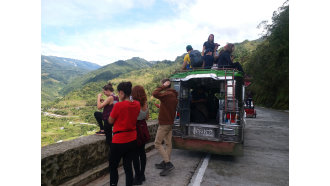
(61, 162)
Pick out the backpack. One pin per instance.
(196, 59)
(142, 131)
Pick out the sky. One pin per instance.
(104, 31)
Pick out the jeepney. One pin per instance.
(222, 130)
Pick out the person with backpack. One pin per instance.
(168, 101)
(102, 117)
(193, 59)
(143, 136)
(123, 117)
(225, 59)
(209, 48)
(186, 61)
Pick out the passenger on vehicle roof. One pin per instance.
(209, 48)
(216, 57)
(225, 60)
(186, 61)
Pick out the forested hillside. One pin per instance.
(107, 72)
(79, 105)
(269, 63)
(85, 97)
(56, 72)
(244, 50)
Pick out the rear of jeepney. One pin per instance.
(222, 134)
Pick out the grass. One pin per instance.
(56, 129)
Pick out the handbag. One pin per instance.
(143, 135)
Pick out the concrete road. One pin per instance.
(266, 154)
(265, 160)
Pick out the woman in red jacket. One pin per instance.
(124, 116)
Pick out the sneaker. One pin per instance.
(168, 167)
(100, 133)
(161, 165)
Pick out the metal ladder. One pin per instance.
(233, 91)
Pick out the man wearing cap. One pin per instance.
(186, 61)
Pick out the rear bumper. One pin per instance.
(222, 148)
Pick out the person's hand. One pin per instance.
(167, 83)
(99, 95)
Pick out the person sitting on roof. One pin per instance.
(225, 59)
(209, 48)
(186, 61)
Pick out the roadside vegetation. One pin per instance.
(55, 129)
(269, 63)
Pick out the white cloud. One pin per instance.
(229, 21)
(76, 12)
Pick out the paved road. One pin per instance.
(265, 160)
(266, 154)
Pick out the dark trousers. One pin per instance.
(238, 66)
(98, 117)
(107, 131)
(249, 100)
(127, 151)
(235, 65)
(106, 127)
(140, 161)
(208, 61)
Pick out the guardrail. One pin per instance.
(62, 162)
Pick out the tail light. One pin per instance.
(177, 115)
(233, 117)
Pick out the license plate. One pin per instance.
(205, 132)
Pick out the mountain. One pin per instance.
(85, 96)
(107, 72)
(56, 72)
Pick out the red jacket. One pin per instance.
(168, 100)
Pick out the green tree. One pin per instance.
(269, 64)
